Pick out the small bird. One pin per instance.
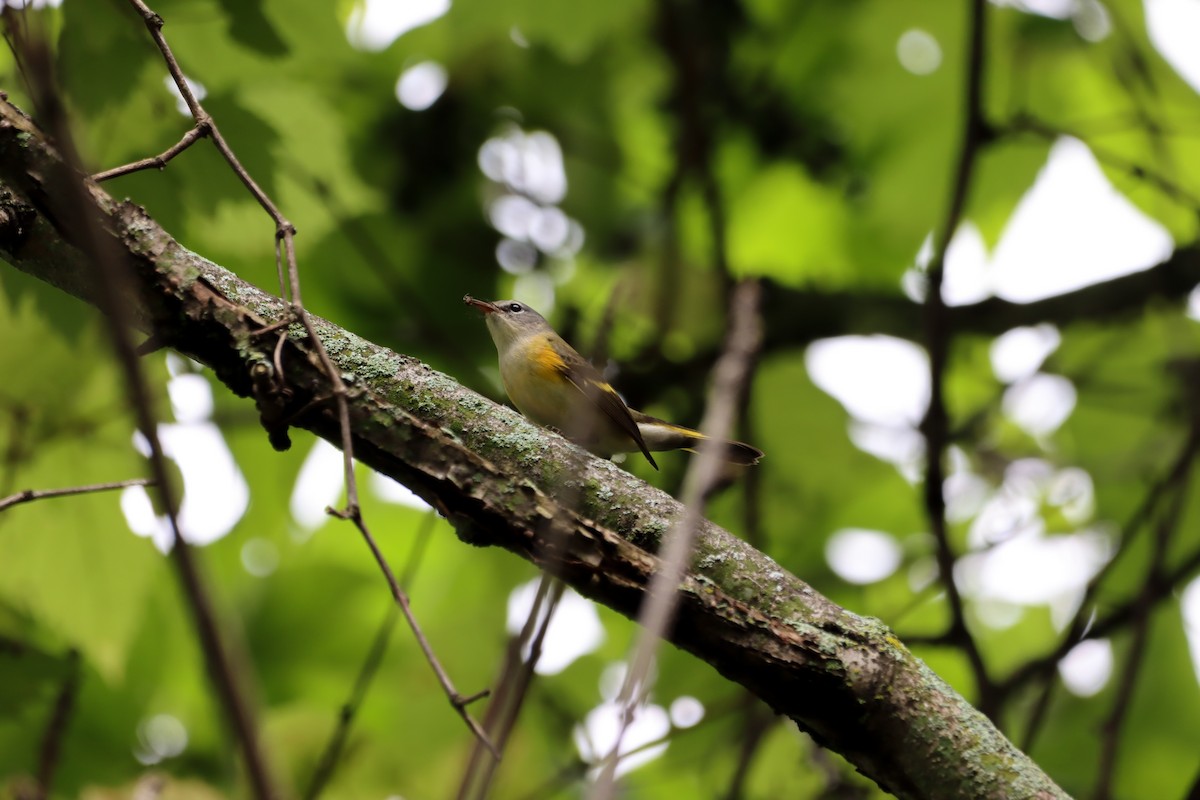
(556, 387)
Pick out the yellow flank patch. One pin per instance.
(547, 361)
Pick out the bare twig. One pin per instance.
(796, 317)
(578, 768)
(337, 742)
(366, 674)
(837, 787)
(1083, 625)
(79, 208)
(1119, 617)
(732, 373)
(381, 261)
(194, 134)
(458, 701)
(1037, 712)
(56, 727)
(756, 723)
(1110, 738)
(703, 474)
(154, 24)
(516, 677)
(285, 253)
(41, 494)
(1111, 730)
(935, 426)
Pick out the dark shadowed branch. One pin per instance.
(1086, 623)
(56, 728)
(796, 317)
(74, 206)
(938, 334)
(1110, 735)
(285, 252)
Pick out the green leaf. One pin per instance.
(70, 563)
(787, 226)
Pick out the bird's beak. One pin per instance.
(482, 305)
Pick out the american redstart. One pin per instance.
(556, 387)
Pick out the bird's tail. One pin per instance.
(661, 435)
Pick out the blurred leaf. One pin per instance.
(249, 25)
(70, 562)
(787, 227)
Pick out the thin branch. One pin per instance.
(516, 677)
(1113, 725)
(56, 727)
(756, 724)
(154, 24)
(1111, 729)
(797, 317)
(578, 768)
(1082, 625)
(285, 251)
(366, 673)
(458, 701)
(382, 262)
(836, 787)
(1037, 713)
(1119, 617)
(731, 374)
(332, 753)
(112, 295)
(194, 134)
(704, 473)
(41, 494)
(935, 426)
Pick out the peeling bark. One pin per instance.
(504, 482)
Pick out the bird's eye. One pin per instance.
(515, 307)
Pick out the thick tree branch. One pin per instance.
(845, 679)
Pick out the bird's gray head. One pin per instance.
(509, 321)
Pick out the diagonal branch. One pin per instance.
(285, 254)
(500, 481)
(56, 727)
(112, 274)
(194, 134)
(938, 333)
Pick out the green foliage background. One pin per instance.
(832, 163)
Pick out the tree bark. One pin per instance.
(504, 482)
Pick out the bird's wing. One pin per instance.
(588, 380)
